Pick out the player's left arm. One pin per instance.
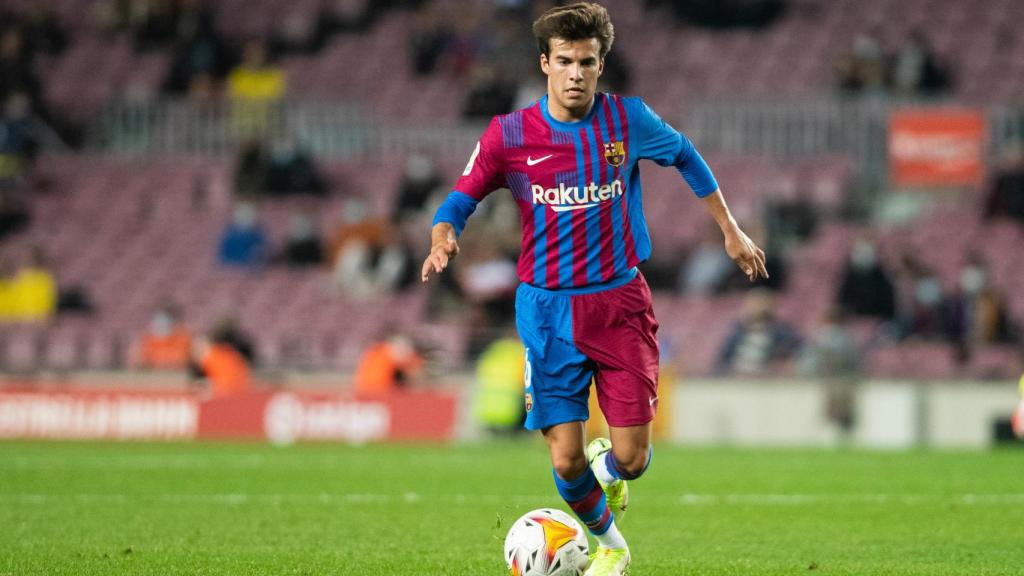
(656, 140)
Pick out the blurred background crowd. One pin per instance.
(239, 187)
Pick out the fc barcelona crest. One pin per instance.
(614, 153)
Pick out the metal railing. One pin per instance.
(783, 129)
(857, 127)
(328, 129)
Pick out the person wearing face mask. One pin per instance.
(866, 289)
(923, 316)
(244, 242)
(976, 314)
(166, 345)
(759, 341)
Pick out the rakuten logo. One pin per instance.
(566, 198)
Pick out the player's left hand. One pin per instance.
(746, 254)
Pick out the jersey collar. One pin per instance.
(543, 102)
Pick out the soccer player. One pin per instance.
(582, 309)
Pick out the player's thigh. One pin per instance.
(557, 375)
(617, 330)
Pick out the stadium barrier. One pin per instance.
(279, 416)
(880, 414)
(784, 129)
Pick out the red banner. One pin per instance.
(937, 147)
(281, 417)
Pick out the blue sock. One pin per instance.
(585, 497)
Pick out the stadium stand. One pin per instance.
(133, 233)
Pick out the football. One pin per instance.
(546, 542)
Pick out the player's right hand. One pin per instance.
(443, 248)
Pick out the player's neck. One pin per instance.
(563, 114)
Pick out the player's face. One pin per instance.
(572, 67)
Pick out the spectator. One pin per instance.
(977, 314)
(222, 368)
(387, 365)
(865, 289)
(254, 80)
(255, 87)
(418, 183)
(14, 214)
(499, 382)
(790, 218)
(923, 317)
(158, 27)
(19, 140)
(200, 58)
(17, 74)
(292, 171)
(429, 38)
(916, 70)
(251, 170)
(7, 305)
(227, 331)
(831, 351)
(1006, 192)
(303, 246)
(758, 341)
(368, 257)
(166, 345)
(489, 94)
(33, 291)
(862, 69)
(244, 242)
(707, 266)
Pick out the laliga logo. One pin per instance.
(565, 198)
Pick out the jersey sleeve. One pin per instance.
(483, 174)
(659, 142)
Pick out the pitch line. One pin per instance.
(413, 498)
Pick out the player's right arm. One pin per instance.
(483, 174)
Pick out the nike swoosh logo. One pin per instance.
(531, 161)
(573, 207)
(653, 400)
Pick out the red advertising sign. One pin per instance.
(936, 147)
(281, 417)
(112, 415)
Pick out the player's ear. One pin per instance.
(544, 65)
(600, 67)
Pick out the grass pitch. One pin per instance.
(239, 509)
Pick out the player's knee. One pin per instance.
(569, 466)
(632, 463)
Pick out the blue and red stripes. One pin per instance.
(587, 500)
(621, 123)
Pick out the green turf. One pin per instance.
(398, 510)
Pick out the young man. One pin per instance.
(583, 310)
